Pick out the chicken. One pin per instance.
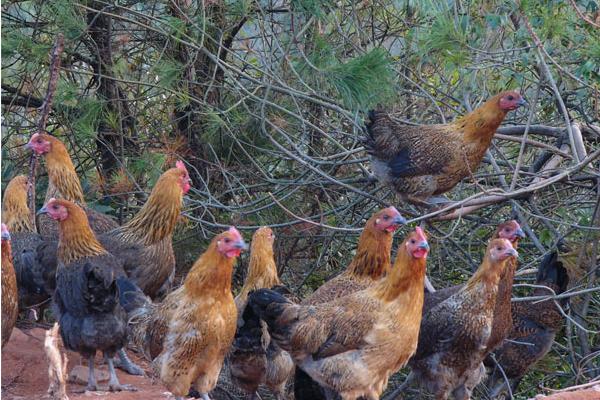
(454, 334)
(145, 244)
(502, 324)
(370, 263)
(426, 160)
(88, 310)
(190, 332)
(535, 325)
(10, 306)
(31, 277)
(254, 359)
(63, 183)
(351, 345)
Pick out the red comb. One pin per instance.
(179, 164)
(420, 233)
(234, 232)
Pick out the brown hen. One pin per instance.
(190, 332)
(63, 183)
(426, 160)
(370, 263)
(454, 334)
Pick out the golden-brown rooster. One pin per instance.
(454, 334)
(254, 358)
(370, 263)
(351, 345)
(190, 332)
(90, 315)
(31, 277)
(426, 160)
(63, 183)
(10, 305)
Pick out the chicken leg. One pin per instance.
(113, 381)
(92, 386)
(127, 365)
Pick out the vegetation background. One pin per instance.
(265, 101)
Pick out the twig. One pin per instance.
(59, 45)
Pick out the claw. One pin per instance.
(127, 365)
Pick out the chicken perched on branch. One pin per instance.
(369, 264)
(454, 334)
(254, 358)
(87, 299)
(10, 306)
(535, 324)
(351, 345)
(63, 183)
(189, 333)
(31, 276)
(427, 160)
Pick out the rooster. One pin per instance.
(31, 276)
(427, 160)
(190, 332)
(351, 345)
(90, 315)
(370, 263)
(535, 325)
(254, 358)
(10, 306)
(454, 334)
(63, 183)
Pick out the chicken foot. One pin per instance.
(113, 381)
(127, 365)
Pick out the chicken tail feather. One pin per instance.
(269, 305)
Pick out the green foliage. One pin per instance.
(359, 82)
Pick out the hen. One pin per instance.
(351, 345)
(254, 358)
(63, 183)
(454, 334)
(370, 263)
(535, 325)
(190, 332)
(87, 299)
(426, 160)
(10, 306)
(31, 276)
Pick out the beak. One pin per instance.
(522, 102)
(423, 245)
(241, 245)
(399, 220)
(42, 210)
(28, 146)
(513, 253)
(520, 233)
(5, 235)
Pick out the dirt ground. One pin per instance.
(25, 372)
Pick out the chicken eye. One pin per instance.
(227, 240)
(511, 97)
(499, 248)
(55, 207)
(386, 217)
(413, 241)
